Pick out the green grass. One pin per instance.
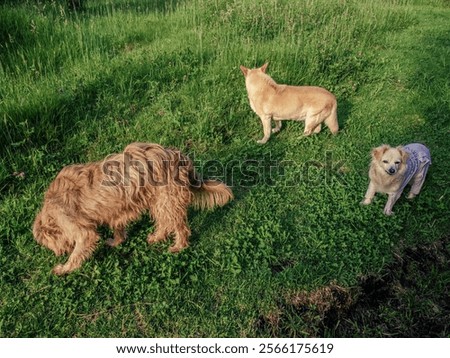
(75, 87)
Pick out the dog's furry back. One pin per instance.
(116, 191)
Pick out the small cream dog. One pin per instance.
(392, 169)
(270, 100)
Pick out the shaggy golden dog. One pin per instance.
(116, 191)
(392, 169)
(270, 100)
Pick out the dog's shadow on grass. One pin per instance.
(344, 110)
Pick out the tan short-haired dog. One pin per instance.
(116, 191)
(270, 100)
(392, 169)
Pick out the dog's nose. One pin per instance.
(391, 170)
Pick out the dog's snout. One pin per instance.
(391, 170)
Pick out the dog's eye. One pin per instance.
(385, 161)
(397, 162)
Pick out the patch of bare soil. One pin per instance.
(409, 298)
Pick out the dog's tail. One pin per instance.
(331, 121)
(211, 193)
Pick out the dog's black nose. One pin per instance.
(391, 170)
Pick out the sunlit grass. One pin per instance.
(75, 87)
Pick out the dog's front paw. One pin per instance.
(388, 212)
(59, 270)
(411, 196)
(275, 130)
(366, 202)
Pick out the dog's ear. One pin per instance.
(378, 152)
(244, 70)
(404, 153)
(264, 67)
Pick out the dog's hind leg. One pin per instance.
(158, 214)
(85, 243)
(160, 234)
(312, 125)
(167, 223)
(418, 181)
(170, 216)
(277, 127)
(179, 221)
(182, 233)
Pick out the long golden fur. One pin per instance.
(270, 100)
(116, 191)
